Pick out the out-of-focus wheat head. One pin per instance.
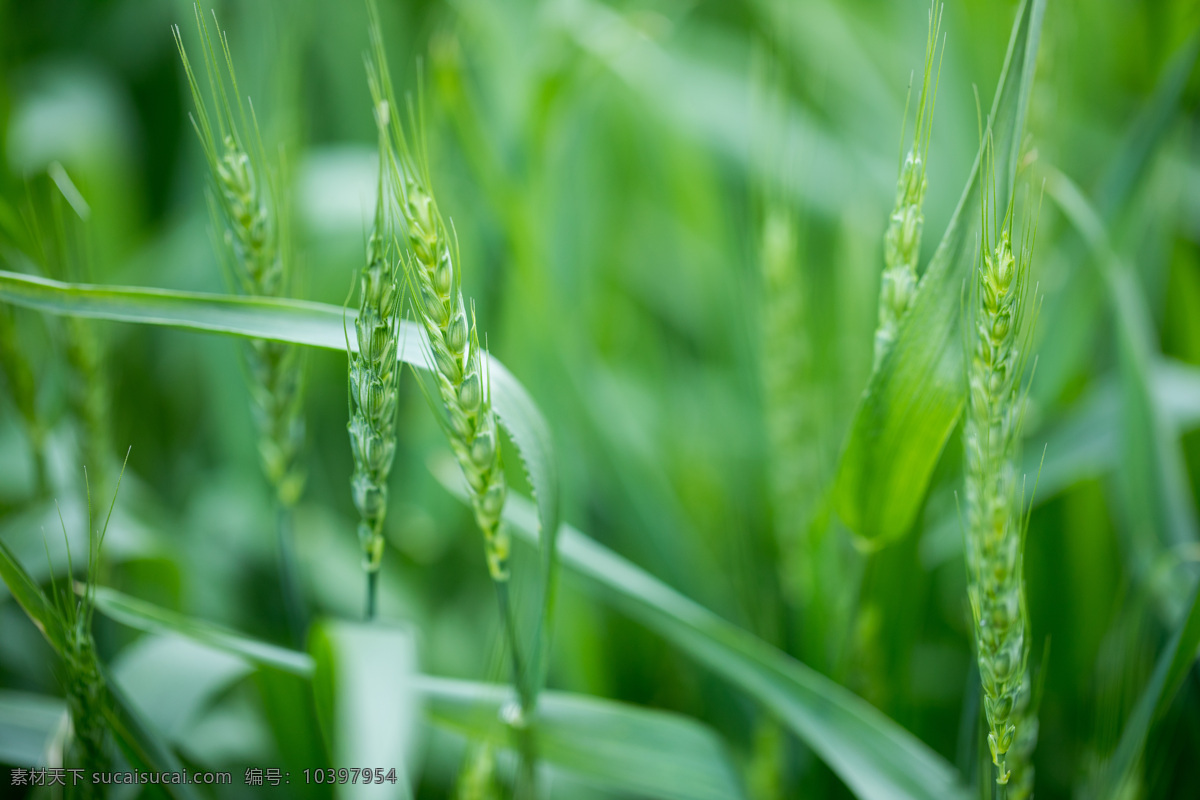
(902, 242)
(250, 222)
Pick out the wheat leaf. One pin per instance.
(29, 724)
(913, 400)
(317, 325)
(872, 754)
(648, 753)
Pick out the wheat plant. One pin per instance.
(997, 349)
(88, 702)
(457, 363)
(749, 610)
(902, 241)
(374, 370)
(458, 360)
(250, 223)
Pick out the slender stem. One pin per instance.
(41, 474)
(289, 580)
(372, 594)
(526, 775)
(514, 645)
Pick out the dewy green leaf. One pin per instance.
(873, 755)
(28, 725)
(913, 400)
(647, 753)
(317, 325)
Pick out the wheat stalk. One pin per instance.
(792, 405)
(902, 242)
(997, 348)
(17, 372)
(457, 364)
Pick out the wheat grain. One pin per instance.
(902, 242)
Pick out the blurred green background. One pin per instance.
(610, 168)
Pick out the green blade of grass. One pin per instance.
(612, 745)
(647, 753)
(141, 744)
(31, 598)
(913, 400)
(1172, 667)
(872, 754)
(1152, 474)
(153, 619)
(316, 325)
(366, 700)
(28, 725)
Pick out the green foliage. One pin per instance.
(871, 753)
(679, 227)
(913, 400)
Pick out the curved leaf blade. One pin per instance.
(29, 724)
(872, 754)
(32, 599)
(647, 752)
(1172, 667)
(611, 745)
(366, 700)
(153, 619)
(913, 400)
(316, 325)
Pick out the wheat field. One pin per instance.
(599, 399)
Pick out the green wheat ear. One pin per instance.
(457, 361)
(997, 348)
(374, 369)
(250, 221)
(456, 356)
(87, 698)
(902, 242)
